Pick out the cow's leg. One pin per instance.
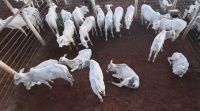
(116, 76)
(169, 60)
(89, 39)
(50, 81)
(69, 79)
(150, 55)
(141, 17)
(149, 24)
(112, 31)
(106, 33)
(47, 84)
(155, 55)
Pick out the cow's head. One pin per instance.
(167, 16)
(19, 77)
(84, 9)
(156, 25)
(192, 9)
(172, 35)
(117, 26)
(84, 44)
(128, 24)
(62, 59)
(108, 6)
(111, 67)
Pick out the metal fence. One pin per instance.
(18, 51)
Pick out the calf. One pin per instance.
(129, 16)
(122, 71)
(178, 25)
(75, 63)
(68, 34)
(96, 78)
(158, 42)
(179, 63)
(52, 17)
(118, 14)
(78, 15)
(109, 20)
(88, 24)
(100, 18)
(44, 74)
(148, 14)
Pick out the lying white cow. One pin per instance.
(30, 84)
(179, 63)
(52, 17)
(158, 42)
(88, 24)
(78, 15)
(118, 14)
(148, 14)
(44, 74)
(75, 63)
(129, 16)
(122, 71)
(109, 20)
(68, 34)
(96, 78)
(65, 15)
(100, 18)
(178, 25)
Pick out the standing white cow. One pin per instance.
(44, 74)
(118, 14)
(158, 42)
(179, 63)
(96, 78)
(78, 15)
(109, 20)
(43, 64)
(76, 63)
(68, 34)
(88, 24)
(100, 18)
(148, 14)
(122, 71)
(52, 17)
(129, 17)
(176, 24)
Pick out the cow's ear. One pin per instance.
(65, 55)
(21, 70)
(111, 61)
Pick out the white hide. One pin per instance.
(44, 74)
(96, 78)
(65, 15)
(76, 63)
(100, 18)
(148, 14)
(88, 24)
(158, 42)
(78, 15)
(178, 25)
(117, 17)
(191, 11)
(179, 63)
(68, 34)
(122, 71)
(52, 17)
(129, 16)
(108, 20)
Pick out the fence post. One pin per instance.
(190, 24)
(136, 4)
(7, 68)
(28, 22)
(174, 4)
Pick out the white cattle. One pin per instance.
(191, 11)
(88, 24)
(179, 63)
(118, 14)
(158, 42)
(148, 14)
(75, 63)
(44, 74)
(129, 16)
(196, 24)
(52, 17)
(178, 25)
(78, 15)
(65, 15)
(122, 71)
(109, 20)
(96, 78)
(100, 18)
(30, 84)
(68, 34)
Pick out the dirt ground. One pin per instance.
(160, 89)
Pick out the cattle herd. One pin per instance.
(165, 27)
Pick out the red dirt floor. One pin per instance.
(160, 89)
